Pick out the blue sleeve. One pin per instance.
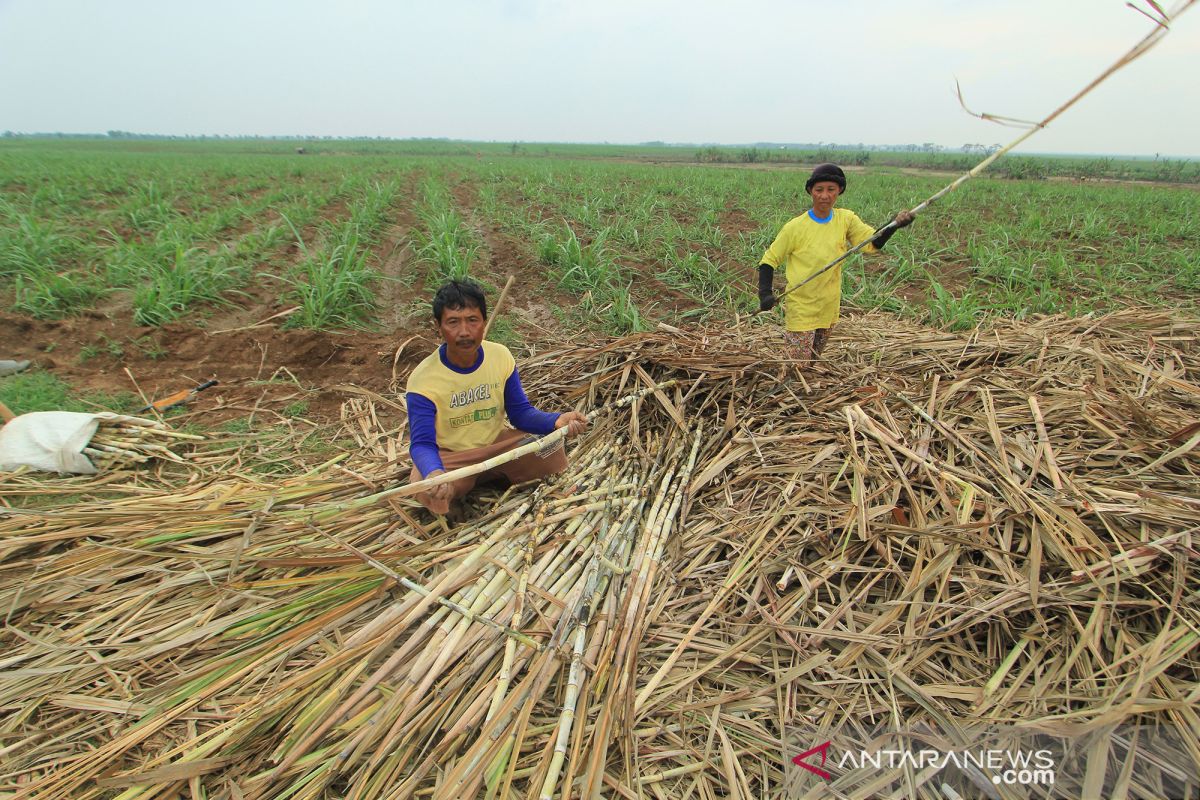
(521, 414)
(422, 434)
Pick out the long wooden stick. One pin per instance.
(1160, 30)
(549, 439)
(499, 302)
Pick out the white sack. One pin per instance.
(51, 441)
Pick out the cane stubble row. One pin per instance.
(927, 527)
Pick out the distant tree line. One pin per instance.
(753, 155)
(927, 155)
(210, 136)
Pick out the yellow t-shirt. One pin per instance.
(470, 407)
(804, 246)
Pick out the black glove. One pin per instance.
(887, 234)
(766, 295)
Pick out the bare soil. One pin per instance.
(258, 362)
(97, 353)
(261, 364)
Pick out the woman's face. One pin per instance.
(824, 195)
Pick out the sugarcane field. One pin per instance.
(342, 467)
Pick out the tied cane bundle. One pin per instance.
(121, 442)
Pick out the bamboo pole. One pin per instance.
(1161, 27)
(499, 303)
(550, 439)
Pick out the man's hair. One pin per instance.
(456, 294)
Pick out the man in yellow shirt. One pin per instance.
(804, 246)
(459, 397)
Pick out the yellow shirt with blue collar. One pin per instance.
(452, 408)
(470, 404)
(805, 245)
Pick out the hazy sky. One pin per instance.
(602, 70)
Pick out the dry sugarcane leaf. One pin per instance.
(843, 558)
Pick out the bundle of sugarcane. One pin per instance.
(122, 441)
(929, 529)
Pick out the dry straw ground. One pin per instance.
(929, 528)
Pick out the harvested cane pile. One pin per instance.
(78, 443)
(929, 529)
(121, 442)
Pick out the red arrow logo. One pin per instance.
(823, 749)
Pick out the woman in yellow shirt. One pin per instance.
(804, 246)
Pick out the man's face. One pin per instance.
(462, 329)
(824, 195)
